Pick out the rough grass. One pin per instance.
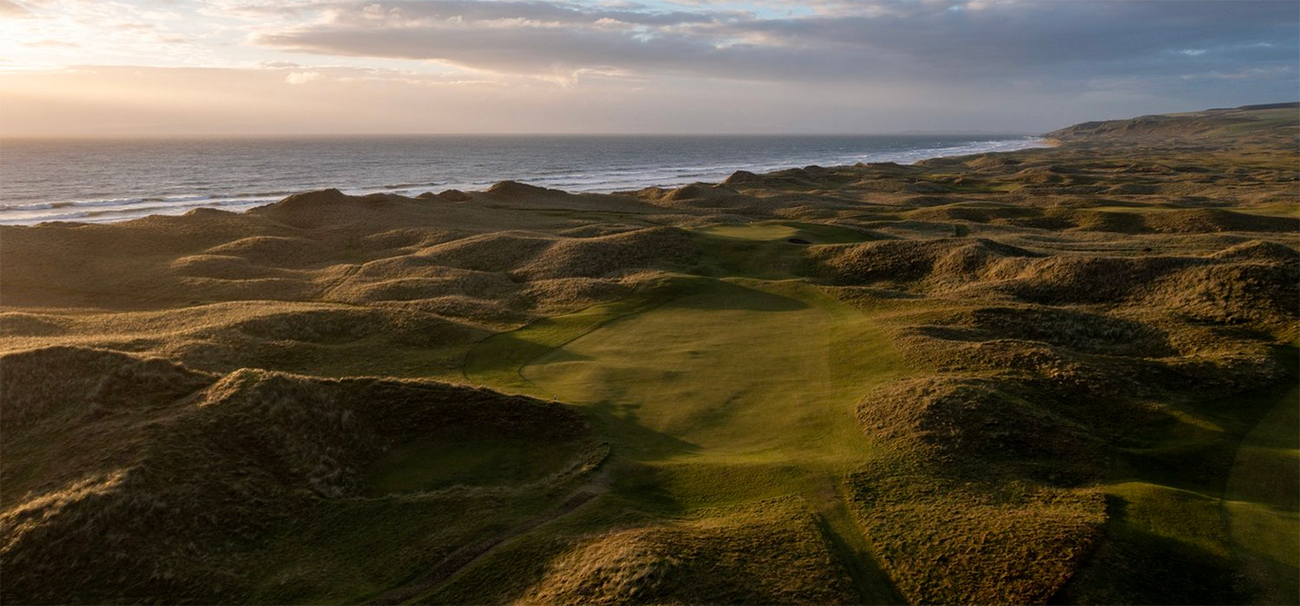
(765, 552)
(1050, 375)
(1261, 503)
(182, 478)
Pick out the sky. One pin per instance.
(267, 67)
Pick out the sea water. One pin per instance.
(98, 180)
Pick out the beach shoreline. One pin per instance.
(611, 180)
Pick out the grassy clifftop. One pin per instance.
(1274, 119)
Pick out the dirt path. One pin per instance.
(838, 525)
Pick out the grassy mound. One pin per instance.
(938, 263)
(1055, 375)
(772, 553)
(171, 478)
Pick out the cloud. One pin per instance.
(302, 77)
(12, 10)
(651, 66)
(983, 40)
(51, 44)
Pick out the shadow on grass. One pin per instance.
(1137, 566)
(726, 296)
(870, 581)
(621, 425)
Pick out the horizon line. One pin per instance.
(85, 137)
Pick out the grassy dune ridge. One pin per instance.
(1058, 375)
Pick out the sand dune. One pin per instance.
(1002, 378)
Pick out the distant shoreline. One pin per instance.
(28, 203)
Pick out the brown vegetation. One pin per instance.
(1085, 332)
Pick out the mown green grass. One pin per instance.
(496, 361)
(1262, 503)
(762, 231)
(728, 392)
(719, 368)
(1202, 497)
(763, 249)
(433, 464)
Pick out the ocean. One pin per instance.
(97, 180)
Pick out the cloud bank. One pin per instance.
(651, 66)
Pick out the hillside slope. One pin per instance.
(1057, 375)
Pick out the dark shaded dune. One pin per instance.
(223, 267)
(703, 196)
(792, 177)
(417, 283)
(512, 195)
(1079, 279)
(1264, 294)
(1259, 250)
(274, 251)
(665, 247)
(1039, 176)
(194, 231)
(329, 208)
(522, 273)
(804, 212)
(415, 277)
(232, 288)
(926, 201)
(340, 220)
(408, 239)
(943, 261)
(1133, 189)
(598, 230)
(564, 294)
(884, 166)
(200, 482)
(948, 349)
(1071, 328)
(969, 504)
(68, 383)
(515, 191)
(337, 326)
(1188, 221)
(503, 251)
(454, 195)
(992, 162)
(534, 257)
(471, 309)
(309, 200)
(926, 187)
(698, 192)
(20, 324)
(1217, 220)
(744, 178)
(975, 422)
(1202, 288)
(481, 285)
(999, 542)
(122, 264)
(812, 176)
(1054, 219)
(1116, 222)
(725, 560)
(974, 214)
